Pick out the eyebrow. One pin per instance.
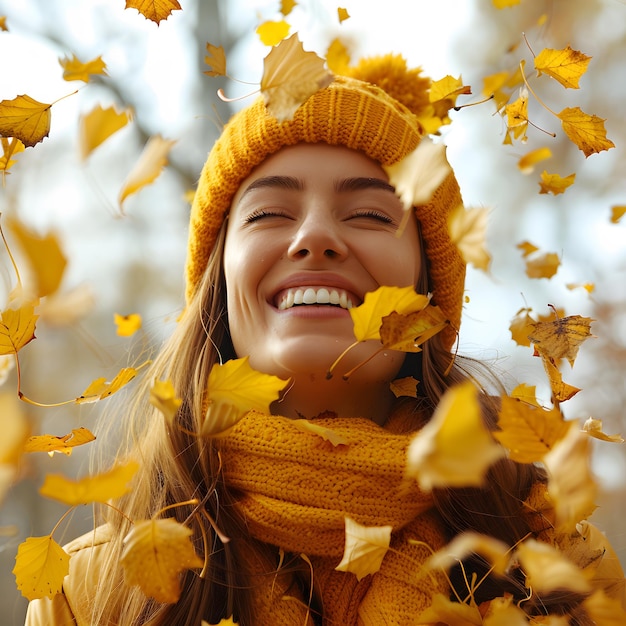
(343, 185)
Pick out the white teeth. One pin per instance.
(310, 295)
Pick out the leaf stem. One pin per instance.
(329, 373)
(539, 100)
(362, 363)
(6, 245)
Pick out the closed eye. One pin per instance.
(259, 214)
(373, 214)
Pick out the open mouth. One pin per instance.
(307, 296)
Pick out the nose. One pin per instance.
(318, 237)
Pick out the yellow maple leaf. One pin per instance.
(467, 229)
(454, 449)
(560, 338)
(155, 553)
(517, 116)
(368, 316)
(151, 161)
(527, 163)
(547, 569)
(521, 327)
(272, 33)
(417, 176)
(407, 332)
(365, 548)
(154, 10)
(216, 60)
(41, 565)
(127, 325)
(290, 76)
(44, 255)
(99, 488)
(593, 427)
(543, 266)
(97, 126)
(406, 386)
(17, 328)
(571, 486)
(163, 397)
(64, 444)
(586, 131)
(327, 434)
(73, 69)
(25, 119)
(446, 611)
(555, 184)
(99, 389)
(529, 432)
(234, 388)
(617, 212)
(337, 57)
(566, 66)
(10, 147)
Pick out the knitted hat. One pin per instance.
(375, 111)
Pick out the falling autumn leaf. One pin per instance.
(73, 69)
(454, 449)
(527, 163)
(17, 328)
(407, 332)
(151, 161)
(272, 33)
(163, 397)
(565, 66)
(561, 338)
(97, 126)
(467, 229)
(586, 131)
(155, 553)
(593, 427)
(588, 287)
(406, 386)
(561, 391)
(543, 266)
(521, 327)
(216, 60)
(127, 325)
(26, 119)
(286, 6)
(446, 611)
(64, 444)
(337, 57)
(154, 10)
(555, 184)
(100, 389)
(447, 88)
(617, 212)
(517, 115)
(234, 388)
(290, 76)
(10, 147)
(527, 248)
(365, 548)
(342, 14)
(99, 488)
(41, 565)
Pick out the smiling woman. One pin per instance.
(292, 225)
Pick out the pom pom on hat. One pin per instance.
(376, 112)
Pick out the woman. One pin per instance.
(292, 224)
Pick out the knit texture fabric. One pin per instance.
(349, 112)
(294, 491)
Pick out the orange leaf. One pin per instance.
(272, 33)
(99, 488)
(291, 76)
(554, 184)
(10, 147)
(521, 327)
(561, 338)
(155, 553)
(342, 14)
(286, 6)
(216, 60)
(527, 248)
(64, 444)
(41, 565)
(586, 131)
(446, 611)
(561, 390)
(26, 119)
(73, 69)
(404, 387)
(406, 332)
(97, 126)
(527, 163)
(17, 328)
(151, 161)
(565, 66)
(617, 212)
(365, 548)
(155, 10)
(543, 266)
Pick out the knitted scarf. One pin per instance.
(295, 489)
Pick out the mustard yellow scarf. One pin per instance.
(296, 488)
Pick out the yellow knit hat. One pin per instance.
(380, 120)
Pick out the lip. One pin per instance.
(315, 279)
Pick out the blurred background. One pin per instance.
(131, 260)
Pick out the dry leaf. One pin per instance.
(100, 389)
(404, 387)
(73, 69)
(527, 248)
(155, 553)
(565, 66)
(561, 338)
(593, 427)
(342, 14)
(17, 328)
(163, 397)
(407, 332)
(291, 76)
(467, 229)
(127, 325)
(154, 10)
(561, 390)
(365, 548)
(97, 126)
(337, 57)
(543, 266)
(454, 449)
(216, 60)
(151, 161)
(327, 434)
(504, 611)
(286, 6)
(446, 611)
(527, 163)
(272, 33)
(517, 116)
(99, 488)
(10, 147)
(617, 212)
(554, 184)
(64, 444)
(521, 327)
(586, 131)
(25, 119)
(41, 565)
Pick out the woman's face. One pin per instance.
(310, 232)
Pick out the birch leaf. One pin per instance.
(365, 548)
(25, 119)
(586, 131)
(555, 184)
(10, 147)
(617, 212)
(521, 327)
(566, 66)
(99, 389)
(64, 444)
